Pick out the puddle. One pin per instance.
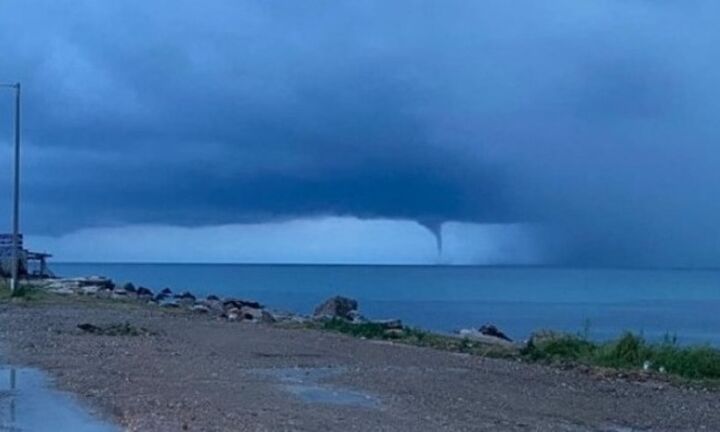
(305, 384)
(29, 404)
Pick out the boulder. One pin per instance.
(144, 294)
(213, 297)
(169, 303)
(250, 314)
(491, 330)
(185, 299)
(284, 316)
(200, 308)
(267, 317)
(121, 294)
(129, 287)
(233, 314)
(237, 303)
(476, 336)
(144, 291)
(90, 289)
(215, 306)
(63, 290)
(104, 293)
(166, 292)
(96, 280)
(337, 307)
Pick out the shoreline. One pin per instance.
(198, 371)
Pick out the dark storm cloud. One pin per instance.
(594, 121)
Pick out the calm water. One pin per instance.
(518, 300)
(29, 404)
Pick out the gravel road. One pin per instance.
(200, 374)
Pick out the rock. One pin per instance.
(121, 294)
(355, 317)
(144, 291)
(144, 294)
(199, 308)
(491, 330)
(63, 290)
(169, 303)
(336, 307)
(250, 313)
(391, 324)
(212, 297)
(129, 287)
(104, 293)
(166, 292)
(237, 303)
(215, 306)
(233, 314)
(90, 289)
(476, 336)
(283, 316)
(185, 295)
(267, 317)
(93, 280)
(185, 299)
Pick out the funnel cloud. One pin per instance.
(594, 124)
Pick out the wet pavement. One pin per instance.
(28, 403)
(307, 385)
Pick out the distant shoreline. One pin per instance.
(479, 266)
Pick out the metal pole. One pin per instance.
(16, 196)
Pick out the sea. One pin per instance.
(598, 303)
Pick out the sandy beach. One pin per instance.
(195, 372)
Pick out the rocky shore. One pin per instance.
(235, 309)
(164, 361)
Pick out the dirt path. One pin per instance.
(201, 374)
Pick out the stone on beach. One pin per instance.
(144, 294)
(200, 308)
(477, 336)
(337, 307)
(90, 290)
(78, 285)
(491, 330)
(169, 303)
(237, 303)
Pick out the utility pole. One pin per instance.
(16, 193)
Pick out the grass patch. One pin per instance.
(630, 352)
(23, 292)
(417, 337)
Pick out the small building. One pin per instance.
(30, 264)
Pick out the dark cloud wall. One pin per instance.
(594, 121)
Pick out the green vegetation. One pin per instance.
(23, 292)
(418, 337)
(629, 352)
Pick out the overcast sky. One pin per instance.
(545, 131)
